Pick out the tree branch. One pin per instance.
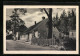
(46, 11)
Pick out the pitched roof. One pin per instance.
(30, 28)
(35, 27)
(40, 23)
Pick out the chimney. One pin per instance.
(43, 17)
(35, 22)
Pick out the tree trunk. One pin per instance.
(50, 24)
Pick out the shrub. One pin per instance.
(70, 44)
(41, 42)
(8, 37)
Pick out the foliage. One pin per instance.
(41, 42)
(8, 24)
(22, 28)
(9, 37)
(65, 23)
(70, 44)
(20, 10)
(16, 24)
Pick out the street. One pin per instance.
(22, 45)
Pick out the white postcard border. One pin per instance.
(40, 52)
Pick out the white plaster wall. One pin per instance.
(36, 34)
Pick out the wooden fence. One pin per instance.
(43, 42)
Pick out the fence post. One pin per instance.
(52, 36)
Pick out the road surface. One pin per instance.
(19, 45)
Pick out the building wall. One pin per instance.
(56, 32)
(72, 34)
(24, 37)
(30, 36)
(17, 35)
(43, 30)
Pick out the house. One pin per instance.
(72, 33)
(40, 30)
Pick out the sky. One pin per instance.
(34, 14)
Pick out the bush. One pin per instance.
(41, 42)
(70, 44)
(8, 37)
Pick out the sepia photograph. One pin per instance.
(41, 29)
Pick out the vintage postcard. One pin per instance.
(40, 29)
